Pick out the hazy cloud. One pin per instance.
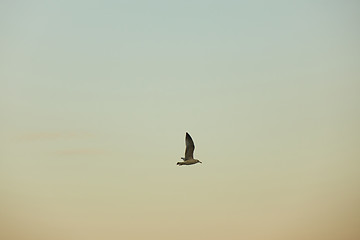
(53, 135)
(81, 151)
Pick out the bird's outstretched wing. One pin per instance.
(189, 147)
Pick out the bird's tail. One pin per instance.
(179, 163)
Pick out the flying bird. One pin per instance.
(189, 150)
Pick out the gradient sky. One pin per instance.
(96, 97)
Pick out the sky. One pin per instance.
(96, 97)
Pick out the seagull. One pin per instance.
(188, 159)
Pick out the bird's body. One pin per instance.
(189, 159)
(188, 162)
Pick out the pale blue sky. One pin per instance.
(96, 97)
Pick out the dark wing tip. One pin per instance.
(188, 139)
(188, 136)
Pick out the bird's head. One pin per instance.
(198, 161)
